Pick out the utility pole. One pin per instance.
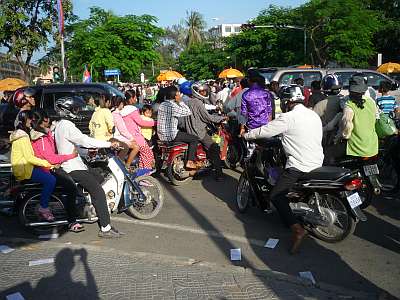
(63, 58)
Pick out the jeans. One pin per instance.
(90, 180)
(64, 180)
(213, 152)
(48, 181)
(192, 142)
(278, 195)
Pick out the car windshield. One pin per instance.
(268, 75)
(115, 91)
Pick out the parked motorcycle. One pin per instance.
(173, 157)
(141, 197)
(325, 200)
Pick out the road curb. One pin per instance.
(192, 264)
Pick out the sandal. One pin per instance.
(76, 227)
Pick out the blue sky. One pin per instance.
(170, 12)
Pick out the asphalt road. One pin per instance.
(199, 221)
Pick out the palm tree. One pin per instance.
(195, 26)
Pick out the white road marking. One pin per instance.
(184, 228)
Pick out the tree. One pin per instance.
(27, 25)
(172, 43)
(107, 41)
(201, 61)
(195, 26)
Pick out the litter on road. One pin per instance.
(5, 249)
(307, 275)
(271, 243)
(41, 262)
(15, 296)
(236, 254)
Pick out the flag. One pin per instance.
(60, 17)
(86, 76)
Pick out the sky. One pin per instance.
(170, 12)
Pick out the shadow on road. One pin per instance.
(325, 264)
(60, 285)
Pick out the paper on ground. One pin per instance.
(271, 243)
(307, 275)
(41, 262)
(236, 254)
(5, 249)
(15, 296)
(49, 236)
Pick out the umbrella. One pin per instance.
(169, 75)
(11, 84)
(230, 73)
(305, 67)
(389, 68)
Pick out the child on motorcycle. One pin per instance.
(44, 147)
(25, 165)
(146, 114)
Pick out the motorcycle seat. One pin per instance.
(326, 173)
(171, 144)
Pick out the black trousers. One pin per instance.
(278, 195)
(90, 180)
(64, 180)
(192, 142)
(213, 152)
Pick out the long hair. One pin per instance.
(38, 117)
(23, 116)
(357, 99)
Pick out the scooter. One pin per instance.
(325, 200)
(141, 197)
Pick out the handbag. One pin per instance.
(385, 126)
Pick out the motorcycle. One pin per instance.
(325, 200)
(141, 197)
(172, 156)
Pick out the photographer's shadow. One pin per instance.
(61, 285)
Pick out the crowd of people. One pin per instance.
(315, 124)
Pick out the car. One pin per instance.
(286, 76)
(47, 95)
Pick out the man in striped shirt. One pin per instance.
(386, 102)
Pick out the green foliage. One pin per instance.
(27, 25)
(107, 41)
(202, 61)
(195, 27)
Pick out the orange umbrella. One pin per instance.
(169, 75)
(230, 73)
(305, 67)
(389, 68)
(11, 84)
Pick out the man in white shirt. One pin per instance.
(301, 131)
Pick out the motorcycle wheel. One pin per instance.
(233, 156)
(343, 226)
(177, 166)
(27, 212)
(151, 206)
(388, 176)
(243, 195)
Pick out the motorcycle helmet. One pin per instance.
(290, 94)
(70, 106)
(362, 75)
(186, 88)
(181, 81)
(331, 84)
(19, 98)
(201, 91)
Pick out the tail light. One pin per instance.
(354, 184)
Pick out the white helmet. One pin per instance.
(181, 80)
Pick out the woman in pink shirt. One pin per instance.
(44, 147)
(122, 133)
(133, 121)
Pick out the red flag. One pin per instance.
(60, 17)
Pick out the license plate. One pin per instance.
(371, 170)
(354, 200)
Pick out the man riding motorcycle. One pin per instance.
(301, 132)
(196, 123)
(68, 137)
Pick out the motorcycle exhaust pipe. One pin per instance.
(376, 186)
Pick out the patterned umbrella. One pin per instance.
(230, 73)
(389, 68)
(11, 84)
(169, 75)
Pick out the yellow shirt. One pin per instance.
(101, 124)
(23, 158)
(147, 132)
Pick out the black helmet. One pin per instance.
(291, 93)
(331, 84)
(70, 106)
(197, 87)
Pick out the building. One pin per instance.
(224, 30)
(11, 68)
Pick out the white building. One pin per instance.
(224, 30)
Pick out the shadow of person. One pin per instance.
(61, 285)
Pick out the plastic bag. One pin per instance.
(385, 126)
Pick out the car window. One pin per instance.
(375, 79)
(308, 77)
(49, 100)
(90, 98)
(268, 75)
(344, 78)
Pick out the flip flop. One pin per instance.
(76, 227)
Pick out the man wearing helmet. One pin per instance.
(68, 137)
(25, 101)
(301, 132)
